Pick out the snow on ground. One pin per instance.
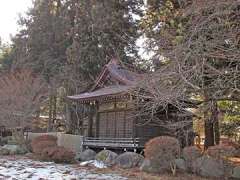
(94, 163)
(27, 169)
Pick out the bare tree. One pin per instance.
(199, 41)
(21, 95)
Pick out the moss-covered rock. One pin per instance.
(14, 149)
(107, 157)
(4, 152)
(236, 172)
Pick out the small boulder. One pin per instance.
(181, 164)
(107, 157)
(4, 152)
(208, 167)
(29, 155)
(86, 155)
(236, 172)
(237, 154)
(129, 160)
(15, 149)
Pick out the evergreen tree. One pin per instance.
(101, 30)
(69, 41)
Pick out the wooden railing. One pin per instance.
(112, 142)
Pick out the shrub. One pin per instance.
(58, 154)
(38, 144)
(221, 151)
(162, 152)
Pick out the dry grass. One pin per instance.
(136, 174)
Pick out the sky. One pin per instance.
(9, 11)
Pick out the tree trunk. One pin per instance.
(208, 124)
(54, 112)
(18, 136)
(215, 121)
(70, 125)
(209, 134)
(69, 118)
(49, 126)
(216, 132)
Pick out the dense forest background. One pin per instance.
(192, 52)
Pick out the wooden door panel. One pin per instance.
(120, 124)
(117, 124)
(111, 124)
(102, 124)
(129, 124)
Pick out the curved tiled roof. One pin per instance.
(126, 80)
(102, 92)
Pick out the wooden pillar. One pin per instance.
(90, 120)
(97, 119)
(50, 118)
(124, 125)
(134, 121)
(54, 112)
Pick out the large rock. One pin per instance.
(150, 166)
(15, 149)
(3, 140)
(86, 155)
(237, 154)
(190, 154)
(38, 144)
(181, 164)
(221, 151)
(209, 167)
(129, 160)
(107, 157)
(58, 154)
(236, 172)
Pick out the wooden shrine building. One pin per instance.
(110, 118)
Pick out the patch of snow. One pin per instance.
(26, 169)
(94, 163)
